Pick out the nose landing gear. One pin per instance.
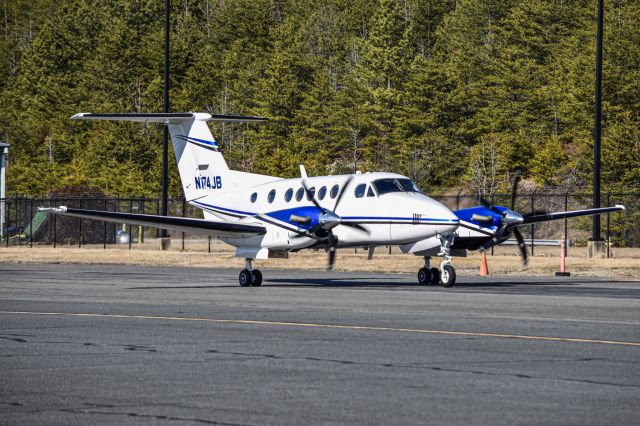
(447, 271)
(446, 275)
(249, 276)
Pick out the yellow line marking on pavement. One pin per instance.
(331, 326)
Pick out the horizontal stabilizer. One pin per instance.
(168, 117)
(181, 224)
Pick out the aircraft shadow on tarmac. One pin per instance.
(366, 282)
(399, 282)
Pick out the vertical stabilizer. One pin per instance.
(200, 163)
(203, 170)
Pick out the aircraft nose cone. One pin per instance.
(448, 218)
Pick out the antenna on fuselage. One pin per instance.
(303, 172)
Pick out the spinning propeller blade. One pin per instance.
(509, 221)
(311, 197)
(328, 220)
(522, 245)
(332, 242)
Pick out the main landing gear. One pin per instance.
(249, 276)
(446, 275)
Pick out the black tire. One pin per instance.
(448, 276)
(435, 276)
(245, 278)
(424, 276)
(256, 278)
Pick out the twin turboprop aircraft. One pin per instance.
(266, 216)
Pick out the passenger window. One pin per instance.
(271, 196)
(288, 195)
(360, 190)
(370, 192)
(254, 197)
(299, 194)
(322, 192)
(311, 193)
(334, 191)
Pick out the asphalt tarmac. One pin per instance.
(84, 344)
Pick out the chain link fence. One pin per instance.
(24, 224)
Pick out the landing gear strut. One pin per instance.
(249, 276)
(447, 272)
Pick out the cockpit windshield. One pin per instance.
(384, 186)
(409, 185)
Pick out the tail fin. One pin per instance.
(200, 163)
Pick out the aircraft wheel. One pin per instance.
(424, 276)
(435, 276)
(256, 278)
(245, 278)
(448, 276)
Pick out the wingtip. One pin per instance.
(79, 116)
(621, 207)
(60, 209)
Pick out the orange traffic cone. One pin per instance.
(484, 269)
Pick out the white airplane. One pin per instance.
(267, 216)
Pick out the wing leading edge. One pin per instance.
(565, 215)
(181, 224)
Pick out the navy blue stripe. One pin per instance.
(422, 219)
(193, 140)
(347, 218)
(225, 209)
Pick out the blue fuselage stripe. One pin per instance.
(346, 218)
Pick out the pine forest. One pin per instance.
(455, 94)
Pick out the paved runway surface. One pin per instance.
(138, 345)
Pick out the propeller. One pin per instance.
(509, 221)
(327, 220)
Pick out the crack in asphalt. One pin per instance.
(152, 416)
(14, 339)
(424, 367)
(11, 403)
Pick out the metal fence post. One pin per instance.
(55, 223)
(130, 227)
(19, 218)
(104, 232)
(7, 221)
(141, 229)
(31, 222)
(184, 206)
(532, 225)
(158, 212)
(80, 226)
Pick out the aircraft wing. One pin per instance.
(181, 224)
(574, 213)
